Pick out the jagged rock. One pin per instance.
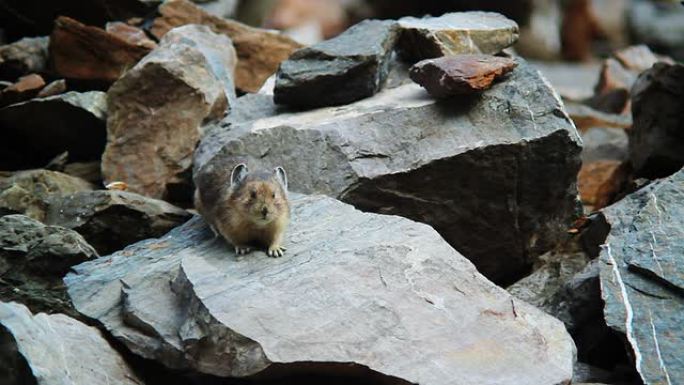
(36, 17)
(24, 89)
(259, 51)
(613, 87)
(23, 57)
(30, 192)
(349, 67)
(37, 130)
(462, 74)
(156, 109)
(565, 285)
(495, 175)
(34, 258)
(659, 25)
(599, 182)
(111, 220)
(455, 33)
(83, 52)
(55, 88)
(641, 269)
(656, 142)
(366, 290)
(130, 34)
(47, 349)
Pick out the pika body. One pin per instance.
(251, 211)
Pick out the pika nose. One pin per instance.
(264, 211)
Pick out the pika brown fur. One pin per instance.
(252, 211)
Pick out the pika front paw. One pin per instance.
(241, 250)
(276, 251)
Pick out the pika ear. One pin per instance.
(239, 173)
(281, 176)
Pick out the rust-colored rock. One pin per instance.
(600, 181)
(578, 30)
(25, 88)
(131, 34)
(55, 88)
(259, 51)
(78, 51)
(460, 74)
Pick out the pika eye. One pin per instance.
(252, 194)
(273, 195)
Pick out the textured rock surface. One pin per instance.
(259, 51)
(494, 175)
(612, 89)
(456, 33)
(47, 349)
(54, 88)
(641, 267)
(36, 131)
(355, 288)
(79, 51)
(131, 34)
(656, 142)
(460, 74)
(111, 220)
(25, 56)
(33, 260)
(156, 109)
(599, 182)
(349, 67)
(31, 192)
(566, 286)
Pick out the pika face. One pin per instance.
(261, 200)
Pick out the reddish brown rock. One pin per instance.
(259, 51)
(155, 111)
(460, 74)
(600, 181)
(55, 88)
(131, 34)
(25, 88)
(579, 29)
(327, 16)
(84, 52)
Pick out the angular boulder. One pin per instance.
(460, 74)
(259, 51)
(656, 141)
(79, 51)
(370, 291)
(156, 109)
(36, 131)
(51, 349)
(642, 269)
(33, 260)
(495, 175)
(111, 220)
(346, 68)
(23, 57)
(455, 33)
(31, 192)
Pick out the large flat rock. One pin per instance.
(359, 289)
(642, 270)
(53, 349)
(494, 174)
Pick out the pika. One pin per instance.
(253, 210)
